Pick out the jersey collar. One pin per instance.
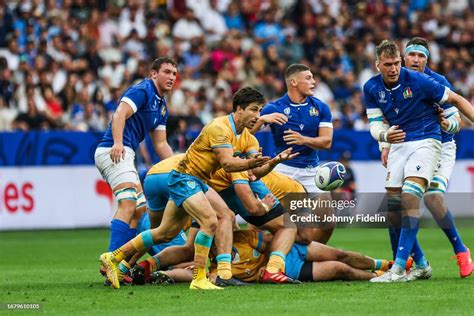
(157, 94)
(400, 79)
(232, 124)
(288, 101)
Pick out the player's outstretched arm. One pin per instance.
(234, 164)
(463, 105)
(272, 118)
(285, 155)
(123, 112)
(160, 143)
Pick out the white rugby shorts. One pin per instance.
(305, 176)
(412, 159)
(116, 173)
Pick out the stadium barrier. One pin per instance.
(48, 180)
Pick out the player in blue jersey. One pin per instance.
(405, 99)
(303, 122)
(416, 58)
(142, 110)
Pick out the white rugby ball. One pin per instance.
(330, 176)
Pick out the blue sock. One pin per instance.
(119, 234)
(410, 226)
(418, 255)
(394, 234)
(449, 229)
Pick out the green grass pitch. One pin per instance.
(59, 271)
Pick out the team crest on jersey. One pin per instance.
(313, 111)
(191, 184)
(287, 111)
(163, 110)
(407, 94)
(255, 253)
(382, 97)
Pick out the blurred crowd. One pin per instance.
(65, 63)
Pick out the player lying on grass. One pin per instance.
(313, 262)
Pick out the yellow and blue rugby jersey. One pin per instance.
(200, 160)
(221, 180)
(280, 185)
(166, 165)
(247, 255)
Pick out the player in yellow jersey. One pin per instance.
(281, 185)
(214, 147)
(313, 262)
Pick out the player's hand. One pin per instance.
(284, 156)
(258, 161)
(293, 138)
(395, 135)
(384, 156)
(117, 153)
(268, 201)
(445, 125)
(274, 118)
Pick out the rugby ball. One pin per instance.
(330, 176)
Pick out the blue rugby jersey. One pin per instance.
(409, 103)
(306, 118)
(150, 113)
(448, 108)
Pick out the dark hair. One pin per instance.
(245, 96)
(163, 60)
(418, 41)
(387, 48)
(295, 68)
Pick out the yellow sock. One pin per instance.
(141, 242)
(202, 245)
(276, 262)
(224, 270)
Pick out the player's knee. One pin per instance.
(227, 215)
(304, 236)
(209, 224)
(432, 200)
(126, 199)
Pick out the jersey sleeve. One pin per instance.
(326, 117)
(239, 177)
(252, 146)
(369, 98)
(219, 136)
(432, 89)
(136, 98)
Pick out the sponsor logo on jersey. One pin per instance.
(301, 126)
(418, 167)
(388, 176)
(396, 110)
(382, 97)
(407, 94)
(163, 110)
(313, 111)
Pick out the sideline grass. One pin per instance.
(59, 271)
